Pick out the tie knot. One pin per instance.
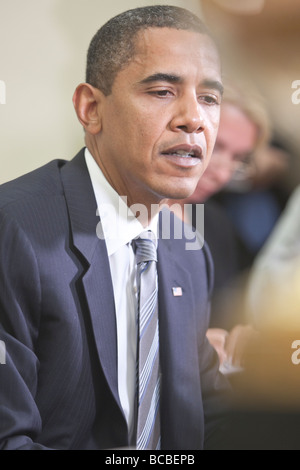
(145, 247)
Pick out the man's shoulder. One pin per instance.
(39, 183)
(36, 204)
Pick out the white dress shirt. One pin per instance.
(120, 227)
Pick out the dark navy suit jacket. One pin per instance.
(58, 386)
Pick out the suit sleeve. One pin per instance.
(20, 421)
(216, 396)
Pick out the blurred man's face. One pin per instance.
(160, 122)
(236, 140)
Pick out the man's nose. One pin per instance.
(188, 116)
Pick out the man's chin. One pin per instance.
(181, 193)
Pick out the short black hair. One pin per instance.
(113, 45)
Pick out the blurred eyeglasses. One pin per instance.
(244, 169)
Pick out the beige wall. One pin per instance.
(43, 45)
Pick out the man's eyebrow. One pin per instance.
(213, 84)
(162, 77)
(172, 78)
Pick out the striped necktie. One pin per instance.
(148, 416)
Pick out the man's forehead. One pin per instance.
(166, 49)
(145, 40)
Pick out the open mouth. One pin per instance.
(183, 153)
(185, 156)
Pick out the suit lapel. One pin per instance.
(178, 343)
(97, 281)
(175, 310)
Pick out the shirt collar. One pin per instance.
(119, 224)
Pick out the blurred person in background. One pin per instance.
(273, 294)
(267, 404)
(254, 200)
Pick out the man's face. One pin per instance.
(159, 124)
(236, 140)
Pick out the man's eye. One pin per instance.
(161, 93)
(209, 99)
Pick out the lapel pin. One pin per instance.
(177, 291)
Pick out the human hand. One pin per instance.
(217, 338)
(236, 343)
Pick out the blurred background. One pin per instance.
(42, 59)
(260, 44)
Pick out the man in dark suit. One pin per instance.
(150, 111)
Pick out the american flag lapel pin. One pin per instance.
(177, 291)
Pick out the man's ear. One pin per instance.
(86, 101)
